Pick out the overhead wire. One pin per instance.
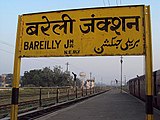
(104, 3)
(108, 2)
(81, 69)
(116, 2)
(4, 43)
(12, 46)
(6, 51)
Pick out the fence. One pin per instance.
(31, 98)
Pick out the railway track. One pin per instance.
(38, 113)
(41, 101)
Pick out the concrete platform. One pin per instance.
(111, 105)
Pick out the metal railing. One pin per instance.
(31, 98)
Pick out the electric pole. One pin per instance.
(67, 64)
(90, 75)
(121, 61)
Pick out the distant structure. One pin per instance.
(3, 80)
(0, 80)
(90, 83)
(82, 78)
(67, 68)
(6, 80)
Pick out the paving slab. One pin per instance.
(111, 105)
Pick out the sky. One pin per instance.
(105, 69)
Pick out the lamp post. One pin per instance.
(121, 61)
(75, 84)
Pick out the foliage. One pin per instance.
(48, 78)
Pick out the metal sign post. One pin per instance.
(148, 65)
(16, 77)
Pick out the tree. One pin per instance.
(32, 78)
(47, 78)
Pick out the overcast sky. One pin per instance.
(104, 69)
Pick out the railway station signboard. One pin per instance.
(84, 32)
(106, 31)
